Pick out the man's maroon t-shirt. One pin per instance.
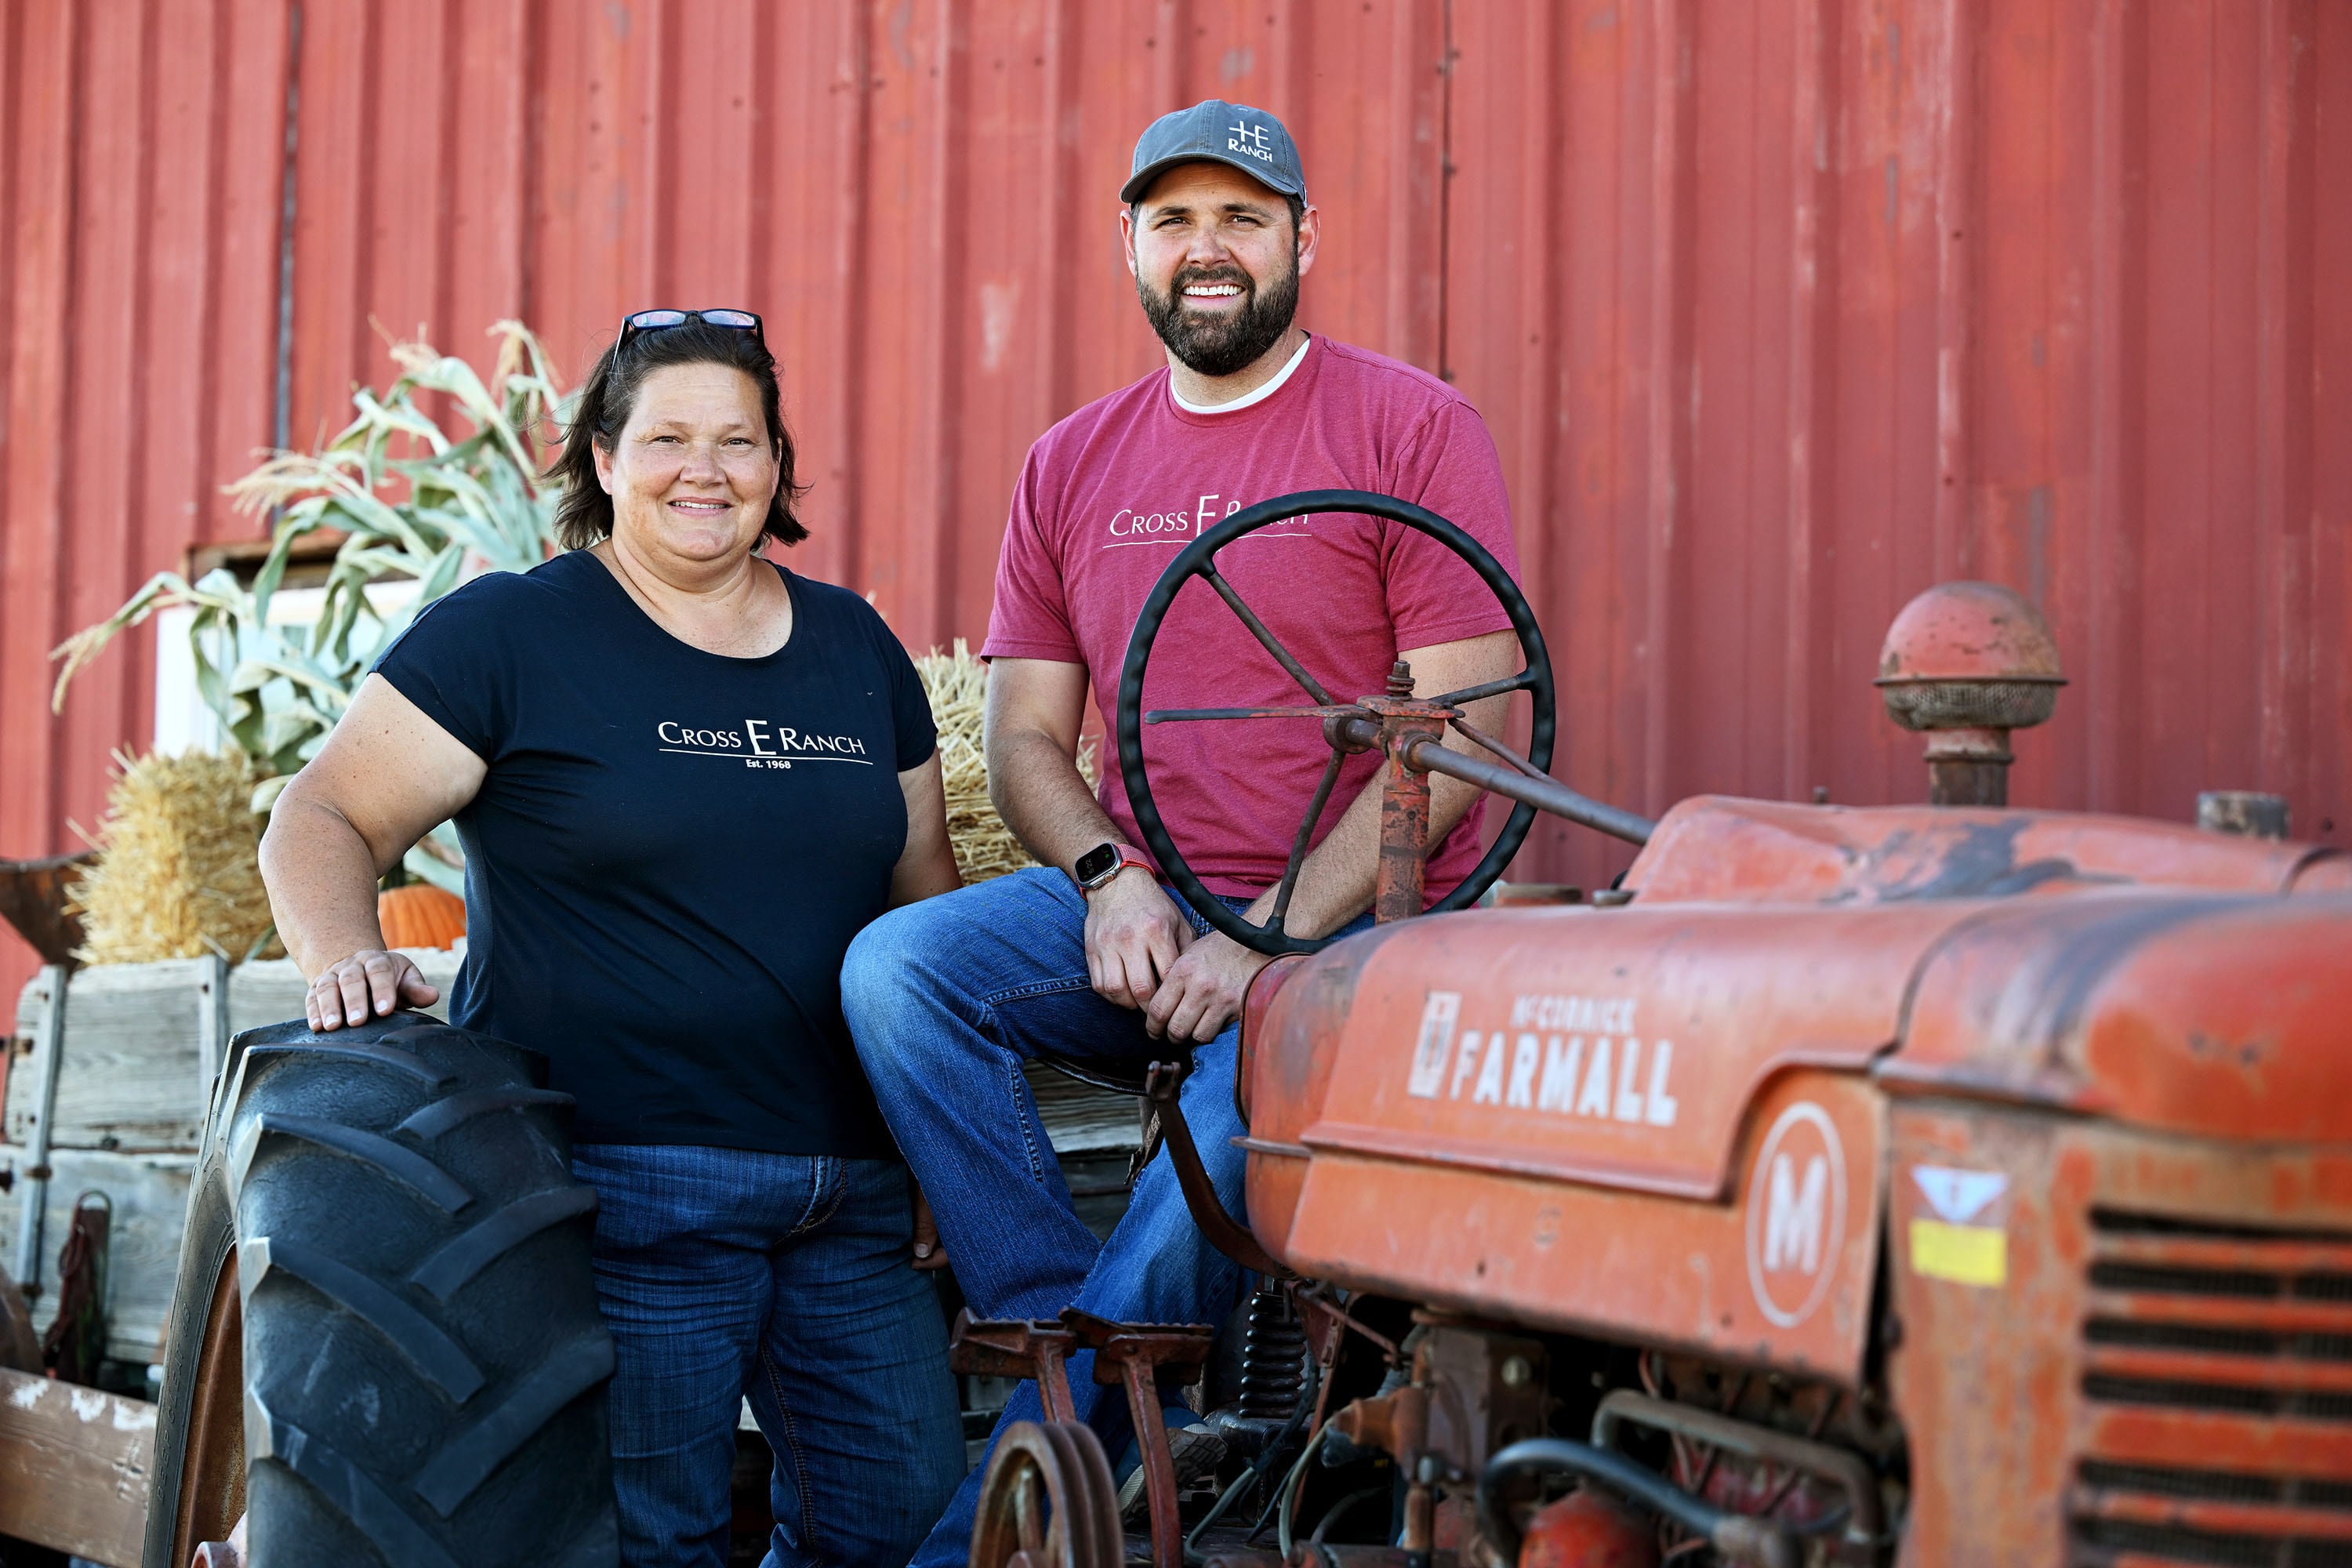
(1109, 495)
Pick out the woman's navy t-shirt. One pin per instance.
(672, 848)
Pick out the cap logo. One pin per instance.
(1250, 141)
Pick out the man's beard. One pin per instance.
(1222, 345)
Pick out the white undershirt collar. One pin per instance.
(1247, 398)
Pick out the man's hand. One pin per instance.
(1203, 993)
(370, 982)
(1134, 931)
(1134, 937)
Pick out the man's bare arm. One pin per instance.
(1029, 730)
(1030, 733)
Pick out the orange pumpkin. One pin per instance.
(420, 915)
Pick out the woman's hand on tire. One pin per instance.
(370, 984)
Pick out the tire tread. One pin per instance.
(347, 1487)
(405, 1061)
(466, 1254)
(433, 1353)
(399, 1202)
(447, 1115)
(410, 1169)
(465, 1461)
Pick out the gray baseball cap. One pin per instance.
(1248, 139)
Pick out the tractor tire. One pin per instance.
(384, 1349)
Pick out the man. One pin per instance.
(947, 998)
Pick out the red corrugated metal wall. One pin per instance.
(1781, 313)
(1778, 312)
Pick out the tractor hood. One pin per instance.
(2140, 970)
(1564, 1116)
(2129, 968)
(2215, 1016)
(1619, 1048)
(1627, 1049)
(1721, 848)
(1666, 1122)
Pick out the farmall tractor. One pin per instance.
(1925, 1185)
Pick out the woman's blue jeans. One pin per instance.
(728, 1273)
(947, 998)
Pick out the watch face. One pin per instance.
(1096, 861)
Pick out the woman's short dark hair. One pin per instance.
(585, 514)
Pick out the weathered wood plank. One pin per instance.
(74, 1467)
(150, 1194)
(40, 1098)
(143, 1042)
(139, 1053)
(1081, 1119)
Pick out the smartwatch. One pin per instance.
(1104, 862)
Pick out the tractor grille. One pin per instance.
(2217, 1384)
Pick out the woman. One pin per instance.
(671, 763)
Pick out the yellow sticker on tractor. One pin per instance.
(1964, 1254)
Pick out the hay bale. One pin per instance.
(957, 684)
(178, 873)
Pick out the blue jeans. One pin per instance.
(947, 999)
(724, 1273)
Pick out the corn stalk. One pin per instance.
(474, 502)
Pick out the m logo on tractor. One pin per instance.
(1792, 1218)
(1796, 1213)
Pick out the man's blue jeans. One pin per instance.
(727, 1273)
(947, 999)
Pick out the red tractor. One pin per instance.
(1939, 1185)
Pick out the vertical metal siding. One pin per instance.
(1782, 314)
(1779, 313)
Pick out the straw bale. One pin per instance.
(178, 873)
(957, 684)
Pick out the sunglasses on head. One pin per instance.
(643, 321)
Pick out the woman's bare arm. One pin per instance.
(926, 866)
(386, 776)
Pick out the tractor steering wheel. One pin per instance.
(1199, 560)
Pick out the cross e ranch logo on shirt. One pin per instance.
(1183, 524)
(1176, 525)
(761, 743)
